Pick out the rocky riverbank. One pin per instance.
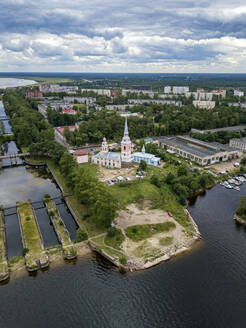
(239, 220)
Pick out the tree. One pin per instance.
(243, 161)
(170, 178)
(155, 181)
(182, 170)
(67, 163)
(142, 166)
(2, 127)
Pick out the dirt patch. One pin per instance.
(223, 166)
(106, 174)
(152, 250)
(136, 214)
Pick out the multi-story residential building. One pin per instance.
(115, 92)
(155, 101)
(180, 90)
(34, 94)
(219, 92)
(56, 88)
(204, 104)
(151, 94)
(238, 93)
(203, 153)
(80, 100)
(200, 95)
(118, 107)
(167, 89)
(100, 92)
(239, 143)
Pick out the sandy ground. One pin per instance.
(151, 251)
(225, 165)
(108, 174)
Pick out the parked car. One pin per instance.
(170, 214)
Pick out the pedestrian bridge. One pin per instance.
(18, 155)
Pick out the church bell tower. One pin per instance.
(126, 147)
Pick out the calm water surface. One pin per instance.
(203, 288)
(12, 82)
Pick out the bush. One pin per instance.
(114, 238)
(166, 241)
(140, 232)
(47, 196)
(182, 200)
(28, 218)
(155, 181)
(51, 213)
(61, 223)
(123, 260)
(85, 216)
(81, 236)
(25, 251)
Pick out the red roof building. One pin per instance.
(70, 128)
(81, 156)
(69, 111)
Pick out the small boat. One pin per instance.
(228, 186)
(231, 181)
(236, 188)
(238, 183)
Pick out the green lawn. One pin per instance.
(29, 228)
(141, 232)
(135, 191)
(116, 240)
(58, 223)
(166, 241)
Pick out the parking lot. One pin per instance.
(113, 176)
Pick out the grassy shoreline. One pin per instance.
(35, 255)
(61, 231)
(4, 271)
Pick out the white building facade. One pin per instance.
(115, 159)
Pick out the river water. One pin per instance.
(12, 82)
(203, 288)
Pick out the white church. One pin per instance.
(113, 159)
(124, 158)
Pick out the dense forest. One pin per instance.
(157, 120)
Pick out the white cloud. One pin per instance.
(178, 36)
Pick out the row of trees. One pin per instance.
(28, 124)
(220, 136)
(102, 205)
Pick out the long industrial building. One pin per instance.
(199, 151)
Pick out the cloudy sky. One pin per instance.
(123, 36)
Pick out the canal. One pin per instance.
(21, 183)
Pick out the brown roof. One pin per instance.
(80, 152)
